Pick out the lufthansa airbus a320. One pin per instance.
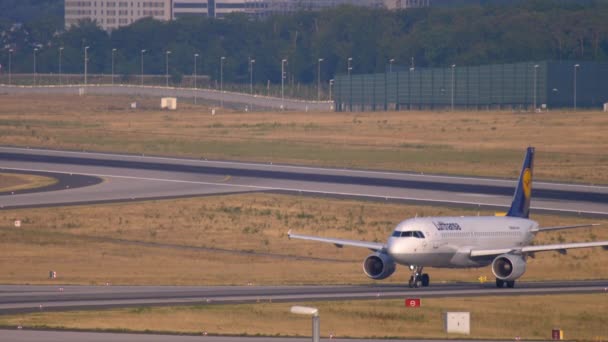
(461, 242)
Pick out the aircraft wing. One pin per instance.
(560, 247)
(544, 229)
(374, 246)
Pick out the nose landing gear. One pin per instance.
(418, 279)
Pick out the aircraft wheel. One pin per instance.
(511, 284)
(500, 283)
(411, 282)
(426, 280)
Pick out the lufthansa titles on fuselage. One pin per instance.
(442, 226)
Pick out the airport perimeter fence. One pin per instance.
(520, 86)
(291, 89)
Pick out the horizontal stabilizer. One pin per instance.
(543, 229)
(560, 247)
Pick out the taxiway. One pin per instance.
(134, 177)
(33, 298)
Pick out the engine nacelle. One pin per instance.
(508, 267)
(379, 266)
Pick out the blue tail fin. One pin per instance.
(523, 193)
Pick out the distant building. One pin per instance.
(287, 6)
(405, 4)
(113, 14)
(219, 8)
(110, 15)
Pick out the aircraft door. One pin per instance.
(434, 239)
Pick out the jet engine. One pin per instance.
(508, 267)
(378, 266)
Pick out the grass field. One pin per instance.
(571, 146)
(14, 182)
(162, 242)
(491, 317)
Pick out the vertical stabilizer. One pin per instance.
(523, 193)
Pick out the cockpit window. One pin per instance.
(409, 233)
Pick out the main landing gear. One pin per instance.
(501, 283)
(418, 279)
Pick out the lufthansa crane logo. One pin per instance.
(527, 182)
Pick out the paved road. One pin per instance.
(70, 336)
(240, 99)
(130, 177)
(22, 298)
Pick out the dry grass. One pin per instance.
(98, 244)
(571, 145)
(582, 317)
(14, 182)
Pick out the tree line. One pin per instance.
(429, 37)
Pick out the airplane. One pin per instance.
(504, 242)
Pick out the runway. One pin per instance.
(69, 336)
(134, 177)
(25, 298)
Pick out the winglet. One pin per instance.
(520, 207)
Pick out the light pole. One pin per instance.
(576, 66)
(222, 59)
(409, 88)
(86, 63)
(142, 66)
(350, 84)
(10, 66)
(35, 70)
(314, 312)
(167, 68)
(535, 73)
(283, 61)
(453, 85)
(60, 57)
(331, 85)
(195, 57)
(390, 65)
(113, 52)
(251, 62)
(319, 80)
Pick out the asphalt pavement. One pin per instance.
(37, 298)
(21, 335)
(135, 177)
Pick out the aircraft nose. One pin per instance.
(392, 247)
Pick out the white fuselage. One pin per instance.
(448, 241)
